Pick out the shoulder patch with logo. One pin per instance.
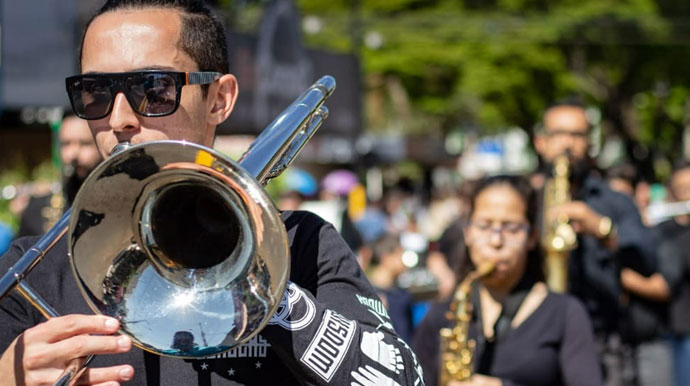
(296, 310)
(375, 305)
(326, 351)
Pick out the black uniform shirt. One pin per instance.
(345, 336)
(594, 270)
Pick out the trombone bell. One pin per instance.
(181, 245)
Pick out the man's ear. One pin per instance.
(223, 99)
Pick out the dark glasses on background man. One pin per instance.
(150, 93)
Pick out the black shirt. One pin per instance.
(399, 304)
(346, 338)
(674, 259)
(553, 346)
(594, 270)
(34, 221)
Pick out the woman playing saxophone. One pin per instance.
(523, 333)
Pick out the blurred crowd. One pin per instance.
(629, 266)
(413, 251)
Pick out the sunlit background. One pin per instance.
(430, 92)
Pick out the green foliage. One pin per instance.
(8, 179)
(18, 179)
(494, 64)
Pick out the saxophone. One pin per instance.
(558, 237)
(457, 350)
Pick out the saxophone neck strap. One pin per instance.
(510, 307)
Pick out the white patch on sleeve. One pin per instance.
(417, 365)
(387, 355)
(296, 310)
(375, 305)
(330, 344)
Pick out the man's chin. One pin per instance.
(579, 170)
(81, 176)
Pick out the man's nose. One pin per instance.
(123, 118)
(69, 152)
(562, 145)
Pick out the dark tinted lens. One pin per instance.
(91, 97)
(152, 94)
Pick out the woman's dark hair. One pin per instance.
(202, 35)
(522, 187)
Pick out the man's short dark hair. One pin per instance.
(567, 102)
(202, 35)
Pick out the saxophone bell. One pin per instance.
(457, 349)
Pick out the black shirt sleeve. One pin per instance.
(426, 341)
(636, 247)
(578, 364)
(671, 265)
(13, 307)
(595, 270)
(337, 330)
(32, 221)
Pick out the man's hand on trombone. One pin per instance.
(40, 355)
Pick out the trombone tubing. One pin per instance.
(276, 141)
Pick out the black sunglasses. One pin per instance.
(150, 93)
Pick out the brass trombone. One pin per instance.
(178, 242)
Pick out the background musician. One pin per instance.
(610, 233)
(525, 334)
(336, 306)
(79, 156)
(647, 297)
(672, 282)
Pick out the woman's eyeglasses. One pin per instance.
(510, 231)
(150, 93)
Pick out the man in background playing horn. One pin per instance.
(79, 156)
(610, 232)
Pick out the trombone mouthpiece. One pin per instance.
(120, 147)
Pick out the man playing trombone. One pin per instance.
(332, 328)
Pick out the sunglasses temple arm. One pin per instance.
(203, 77)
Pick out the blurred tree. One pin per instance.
(441, 66)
